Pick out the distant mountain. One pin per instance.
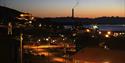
(110, 20)
(7, 12)
(70, 21)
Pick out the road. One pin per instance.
(50, 53)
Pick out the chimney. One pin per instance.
(72, 12)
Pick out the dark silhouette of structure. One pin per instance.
(72, 12)
(9, 48)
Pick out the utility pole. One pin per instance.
(21, 48)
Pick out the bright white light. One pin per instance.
(109, 32)
(105, 47)
(100, 32)
(62, 35)
(107, 36)
(30, 22)
(39, 40)
(53, 40)
(123, 33)
(47, 39)
(40, 25)
(32, 18)
(95, 27)
(115, 34)
(120, 33)
(63, 39)
(21, 15)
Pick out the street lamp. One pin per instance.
(87, 30)
(21, 15)
(107, 36)
(109, 32)
(21, 48)
(47, 39)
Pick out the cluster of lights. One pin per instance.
(113, 34)
(23, 16)
(118, 34)
(108, 33)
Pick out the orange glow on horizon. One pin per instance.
(80, 13)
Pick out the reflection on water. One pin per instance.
(108, 27)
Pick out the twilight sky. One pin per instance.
(62, 8)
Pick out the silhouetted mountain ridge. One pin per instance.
(8, 12)
(99, 20)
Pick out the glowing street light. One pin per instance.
(109, 32)
(47, 39)
(87, 30)
(63, 39)
(21, 15)
(30, 22)
(32, 18)
(39, 40)
(100, 32)
(107, 36)
(40, 25)
(53, 41)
